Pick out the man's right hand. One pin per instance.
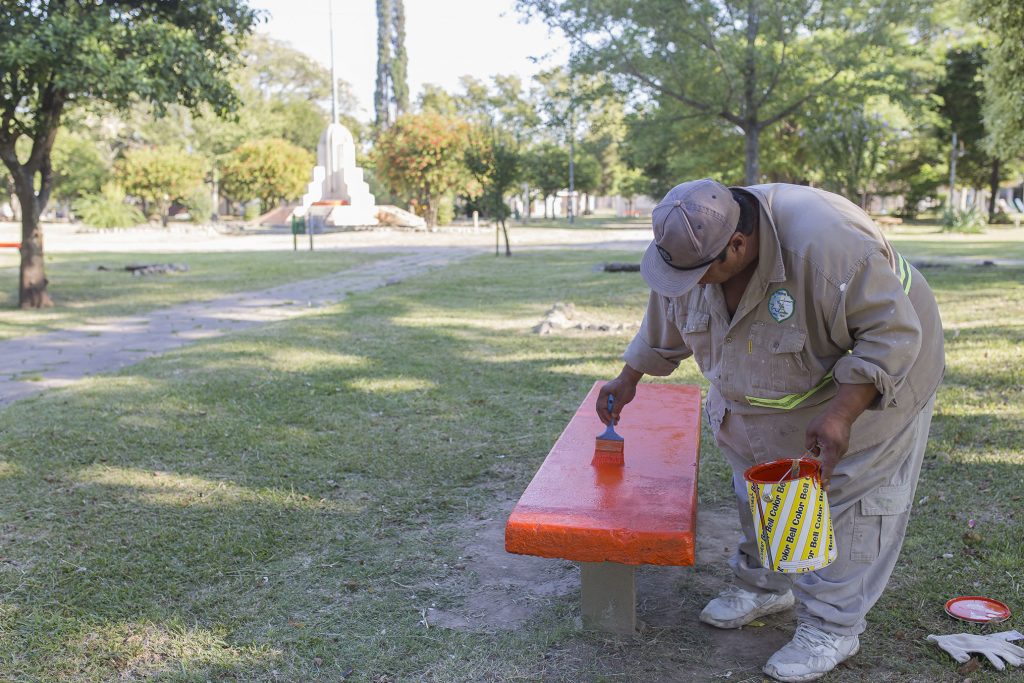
(623, 389)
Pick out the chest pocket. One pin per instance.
(696, 331)
(780, 364)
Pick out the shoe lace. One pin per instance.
(811, 637)
(732, 590)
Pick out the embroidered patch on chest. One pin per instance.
(781, 305)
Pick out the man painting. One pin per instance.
(814, 335)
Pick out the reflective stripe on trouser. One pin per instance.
(870, 495)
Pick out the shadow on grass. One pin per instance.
(301, 492)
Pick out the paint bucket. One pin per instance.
(791, 516)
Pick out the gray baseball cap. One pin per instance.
(692, 225)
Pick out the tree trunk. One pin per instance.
(504, 230)
(993, 182)
(752, 131)
(752, 152)
(545, 207)
(32, 277)
(432, 209)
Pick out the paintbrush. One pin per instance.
(609, 446)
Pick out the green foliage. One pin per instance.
(850, 145)
(199, 203)
(159, 175)
(252, 210)
(749, 64)
(445, 210)
(962, 90)
(420, 158)
(968, 221)
(271, 170)
(107, 209)
(586, 172)
(79, 167)
(391, 96)
(118, 51)
(494, 161)
(1003, 105)
(547, 168)
(664, 142)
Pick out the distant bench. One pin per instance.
(609, 518)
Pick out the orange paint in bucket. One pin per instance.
(791, 516)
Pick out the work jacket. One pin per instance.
(830, 302)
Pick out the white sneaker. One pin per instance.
(735, 607)
(810, 655)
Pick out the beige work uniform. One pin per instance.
(830, 302)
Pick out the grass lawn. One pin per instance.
(81, 292)
(925, 241)
(286, 504)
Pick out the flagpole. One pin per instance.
(334, 79)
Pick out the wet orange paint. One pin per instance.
(642, 512)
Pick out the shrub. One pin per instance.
(252, 210)
(107, 210)
(159, 175)
(270, 170)
(199, 204)
(969, 221)
(445, 210)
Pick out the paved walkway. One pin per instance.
(31, 364)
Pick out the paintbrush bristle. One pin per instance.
(609, 452)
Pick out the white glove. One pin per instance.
(993, 646)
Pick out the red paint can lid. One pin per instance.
(978, 609)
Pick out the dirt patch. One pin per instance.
(499, 591)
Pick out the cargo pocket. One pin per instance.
(882, 513)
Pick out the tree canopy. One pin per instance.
(54, 54)
(750, 64)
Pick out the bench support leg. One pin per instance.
(608, 597)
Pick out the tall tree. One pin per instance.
(382, 92)
(400, 63)
(391, 96)
(962, 93)
(494, 160)
(54, 53)
(748, 63)
(1004, 75)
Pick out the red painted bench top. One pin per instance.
(642, 513)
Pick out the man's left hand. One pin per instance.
(830, 433)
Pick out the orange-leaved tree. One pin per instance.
(420, 158)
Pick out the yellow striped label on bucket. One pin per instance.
(793, 524)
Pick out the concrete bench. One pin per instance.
(612, 518)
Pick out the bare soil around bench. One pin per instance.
(502, 592)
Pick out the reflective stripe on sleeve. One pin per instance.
(904, 273)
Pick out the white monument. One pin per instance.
(338, 195)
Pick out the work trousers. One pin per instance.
(870, 498)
